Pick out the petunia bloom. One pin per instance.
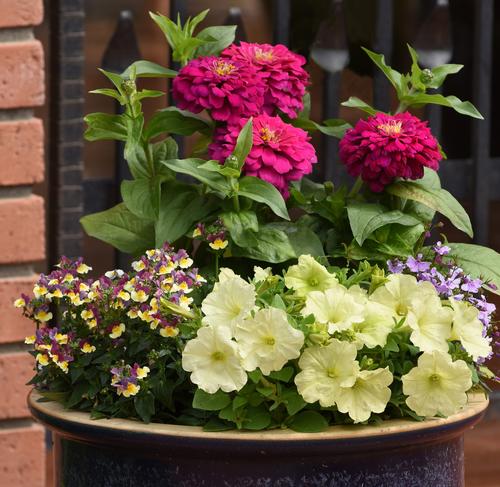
(228, 89)
(267, 341)
(309, 275)
(280, 153)
(437, 385)
(213, 360)
(324, 370)
(384, 147)
(281, 71)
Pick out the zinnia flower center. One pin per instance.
(391, 128)
(218, 356)
(268, 135)
(262, 55)
(223, 68)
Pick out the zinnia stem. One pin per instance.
(356, 187)
(236, 202)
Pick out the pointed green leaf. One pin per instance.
(211, 402)
(119, 227)
(355, 102)
(365, 218)
(142, 196)
(463, 107)
(103, 126)
(441, 72)
(216, 38)
(308, 422)
(438, 199)
(148, 69)
(242, 227)
(263, 192)
(392, 75)
(115, 78)
(174, 121)
(109, 92)
(244, 143)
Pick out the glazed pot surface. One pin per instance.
(118, 452)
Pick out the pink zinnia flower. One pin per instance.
(384, 147)
(285, 78)
(280, 153)
(228, 89)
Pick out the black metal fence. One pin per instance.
(474, 176)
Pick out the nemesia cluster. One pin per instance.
(384, 147)
(214, 234)
(339, 334)
(97, 316)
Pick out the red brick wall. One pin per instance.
(22, 233)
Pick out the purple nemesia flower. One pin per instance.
(417, 265)
(441, 249)
(395, 266)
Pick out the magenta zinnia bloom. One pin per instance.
(384, 147)
(280, 153)
(228, 89)
(285, 78)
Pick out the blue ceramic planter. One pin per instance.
(123, 453)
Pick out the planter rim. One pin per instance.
(54, 414)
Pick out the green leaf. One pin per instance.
(306, 101)
(148, 69)
(134, 150)
(140, 95)
(399, 240)
(181, 207)
(192, 22)
(283, 375)
(119, 227)
(302, 239)
(416, 72)
(172, 32)
(216, 424)
(257, 418)
(244, 143)
(293, 401)
(192, 167)
(242, 227)
(115, 78)
(272, 246)
(479, 261)
(103, 126)
(355, 102)
(441, 72)
(334, 127)
(463, 107)
(255, 376)
(437, 199)
(216, 38)
(145, 406)
(142, 196)
(263, 192)
(211, 402)
(308, 422)
(365, 218)
(424, 213)
(394, 77)
(174, 121)
(278, 302)
(109, 92)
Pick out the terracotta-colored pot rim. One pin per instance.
(54, 415)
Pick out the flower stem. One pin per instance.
(236, 203)
(356, 187)
(216, 264)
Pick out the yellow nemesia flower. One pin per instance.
(218, 244)
(151, 253)
(142, 372)
(56, 294)
(87, 314)
(185, 301)
(197, 232)
(39, 291)
(83, 268)
(42, 359)
(133, 313)
(83, 287)
(139, 296)
(63, 366)
(185, 262)
(19, 303)
(87, 348)
(117, 330)
(68, 278)
(166, 269)
(124, 295)
(138, 265)
(29, 340)
(131, 390)
(43, 316)
(169, 332)
(92, 323)
(61, 338)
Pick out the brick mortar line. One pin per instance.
(16, 423)
(14, 348)
(16, 270)
(13, 114)
(15, 192)
(16, 34)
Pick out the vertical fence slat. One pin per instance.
(66, 129)
(281, 22)
(332, 170)
(383, 44)
(483, 50)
